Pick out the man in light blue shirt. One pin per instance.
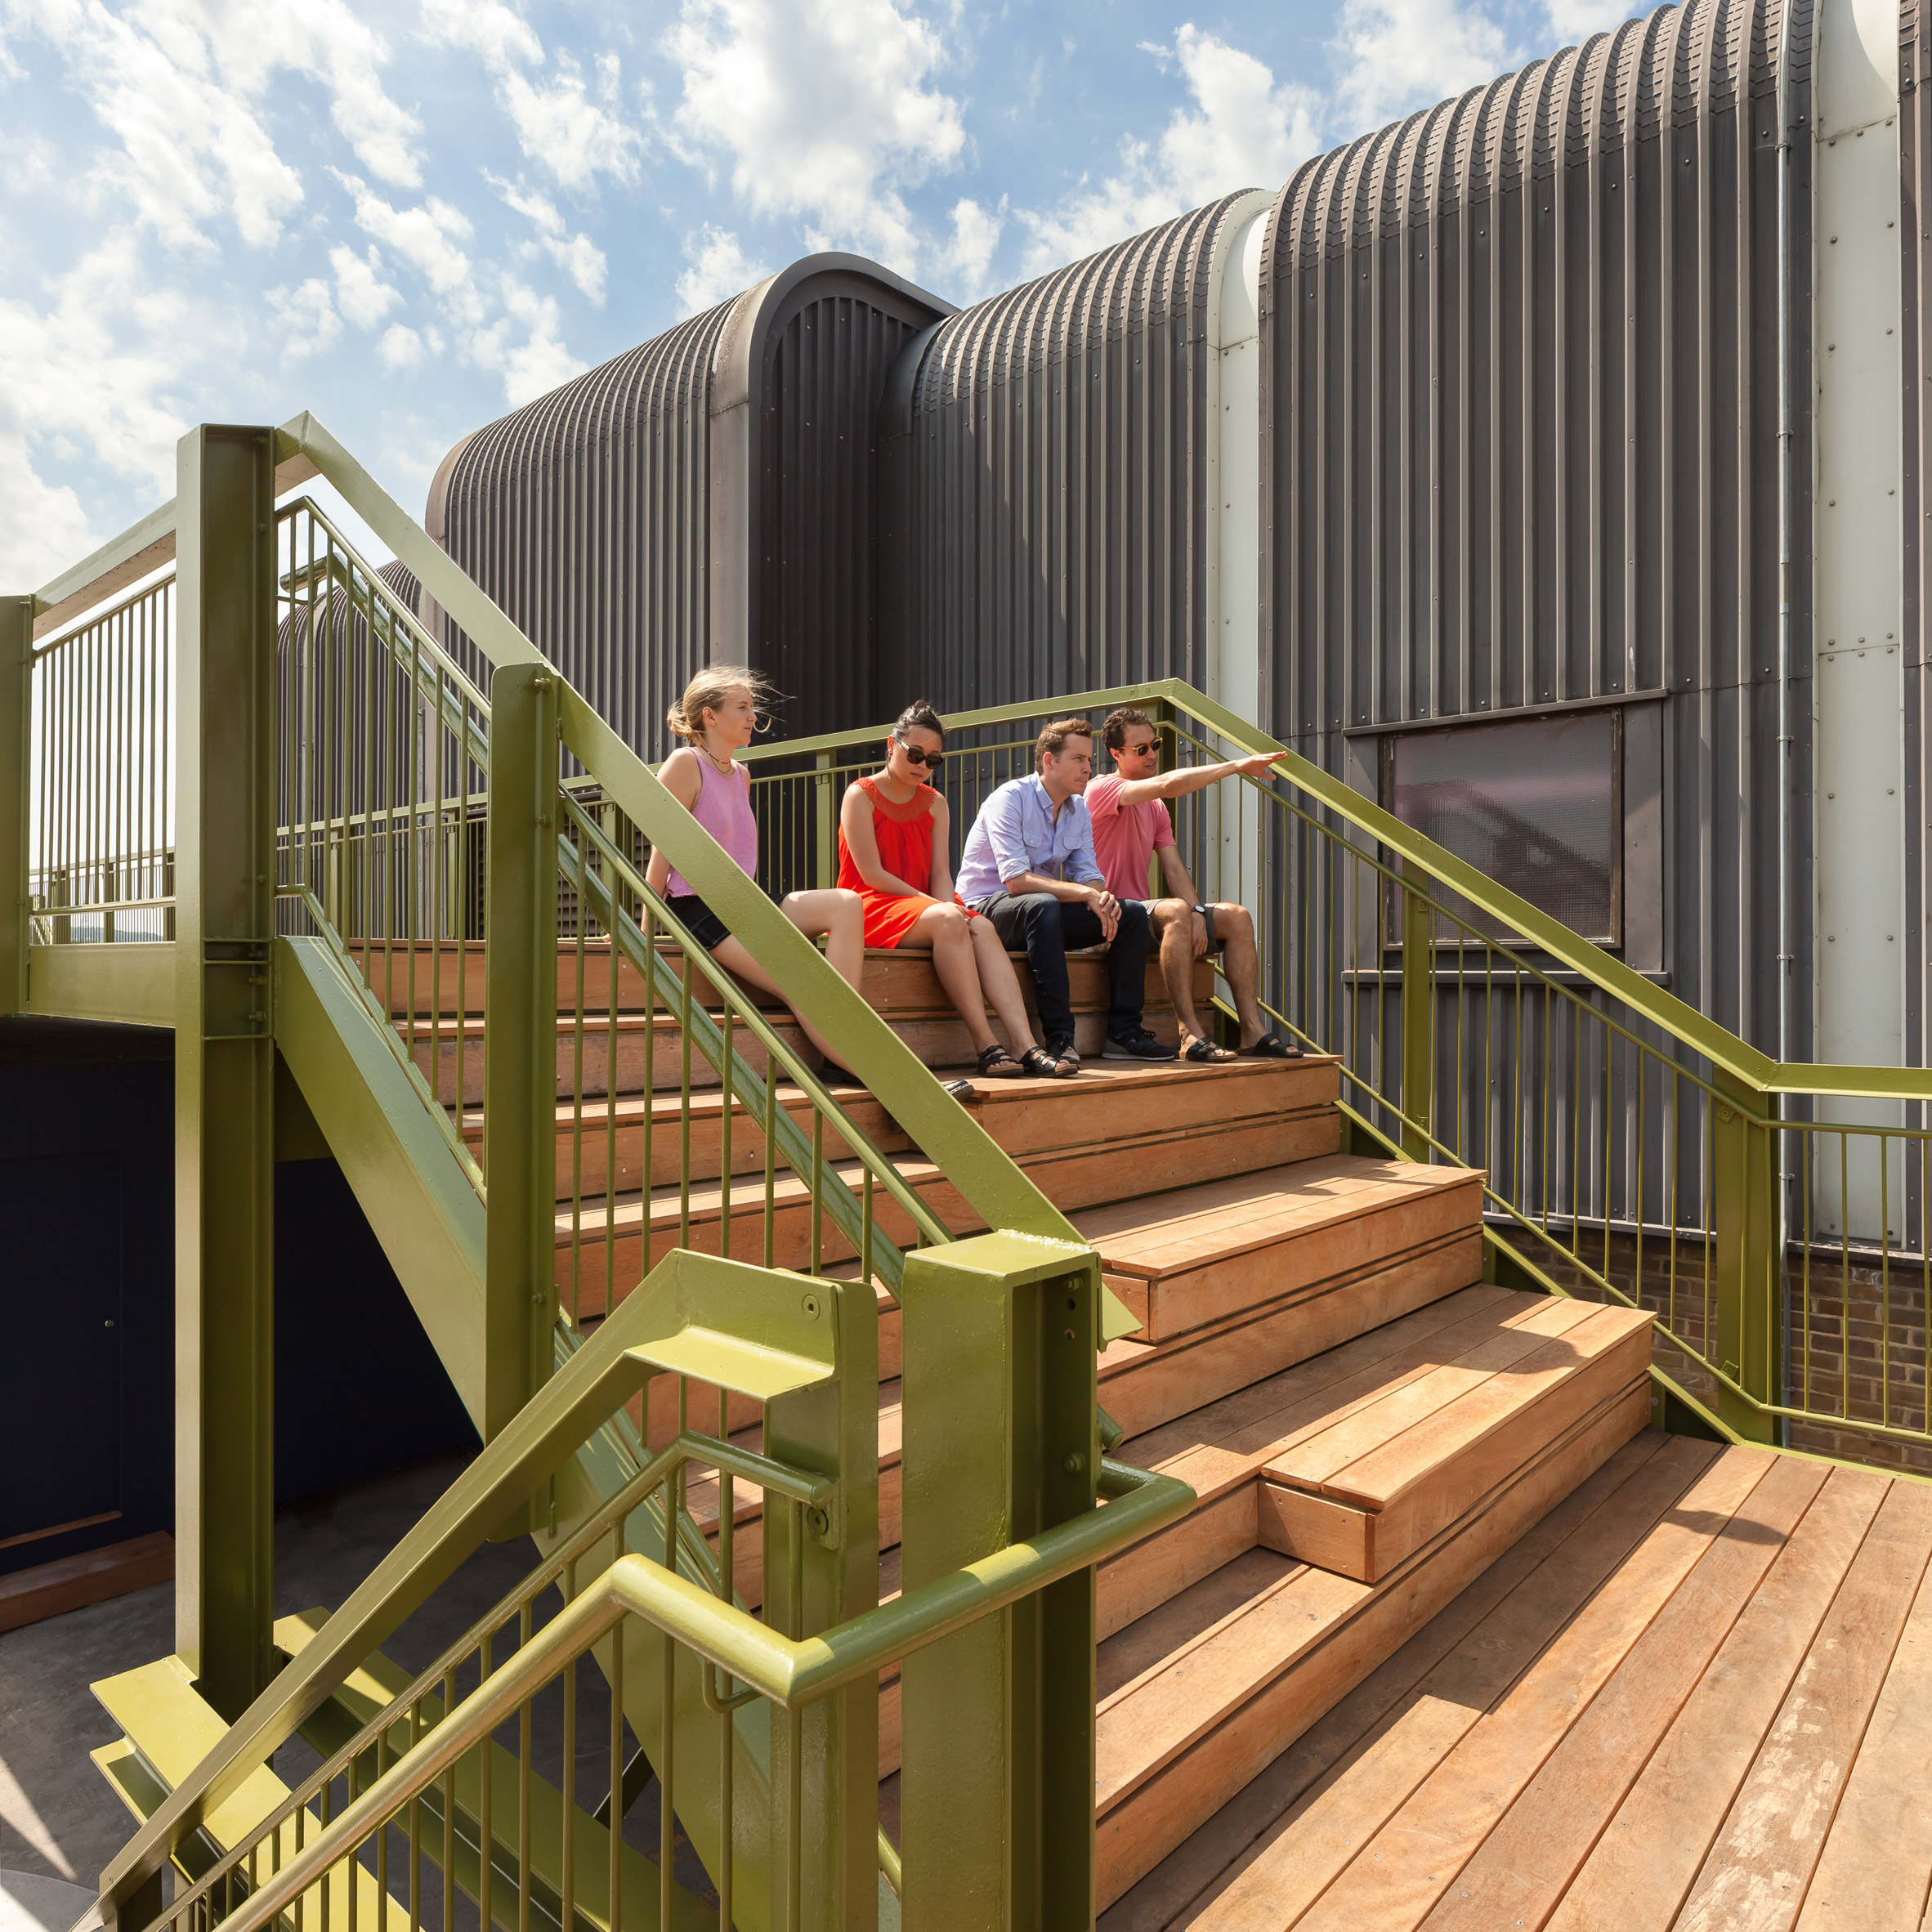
(1028, 866)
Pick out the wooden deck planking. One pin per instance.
(1412, 1859)
(1877, 1863)
(1669, 1707)
(1212, 1855)
(1757, 1873)
(1320, 1834)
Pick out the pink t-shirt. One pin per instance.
(1125, 836)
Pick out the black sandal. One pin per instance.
(996, 1063)
(1042, 1066)
(1271, 1046)
(1203, 1053)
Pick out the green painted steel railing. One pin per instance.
(1772, 1216)
(417, 827)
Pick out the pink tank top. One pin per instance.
(724, 809)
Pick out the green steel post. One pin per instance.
(1749, 1342)
(224, 1058)
(824, 868)
(17, 765)
(1419, 1021)
(519, 1043)
(832, 1428)
(997, 1763)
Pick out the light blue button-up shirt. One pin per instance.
(1017, 832)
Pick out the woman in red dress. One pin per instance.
(893, 839)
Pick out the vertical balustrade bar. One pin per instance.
(1748, 1342)
(1419, 1032)
(224, 1064)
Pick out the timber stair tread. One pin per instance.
(897, 983)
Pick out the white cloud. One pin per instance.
(42, 527)
(427, 237)
(562, 129)
(78, 393)
(306, 320)
(499, 33)
(1243, 129)
(181, 87)
(559, 126)
(583, 260)
(534, 366)
(968, 253)
(74, 386)
(1400, 55)
(825, 109)
(717, 268)
(1571, 22)
(400, 348)
(360, 293)
(577, 255)
(1249, 132)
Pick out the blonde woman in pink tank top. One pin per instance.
(717, 716)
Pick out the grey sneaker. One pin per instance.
(1140, 1044)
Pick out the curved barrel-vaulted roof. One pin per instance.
(1047, 450)
(708, 495)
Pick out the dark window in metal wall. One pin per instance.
(1520, 412)
(1046, 456)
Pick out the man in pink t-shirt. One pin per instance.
(1131, 827)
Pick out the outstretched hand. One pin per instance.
(1258, 767)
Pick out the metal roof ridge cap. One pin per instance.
(730, 381)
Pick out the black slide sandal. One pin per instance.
(1203, 1053)
(996, 1063)
(1271, 1046)
(1042, 1066)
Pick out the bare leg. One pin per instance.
(942, 931)
(840, 916)
(1173, 926)
(731, 954)
(1001, 985)
(1240, 962)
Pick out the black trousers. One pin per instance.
(1046, 927)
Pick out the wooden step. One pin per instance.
(637, 1054)
(1247, 1275)
(1201, 1693)
(1113, 1099)
(639, 1230)
(447, 979)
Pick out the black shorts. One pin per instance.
(698, 919)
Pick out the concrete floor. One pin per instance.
(58, 1819)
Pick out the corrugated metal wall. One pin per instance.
(584, 515)
(708, 495)
(1521, 411)
(1047, 459)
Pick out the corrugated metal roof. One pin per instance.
(1046, 458)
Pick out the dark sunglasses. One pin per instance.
(930, 761)
(1140, 751)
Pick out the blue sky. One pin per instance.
(411, 217)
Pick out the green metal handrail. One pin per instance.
(791, 1673)
(995, 1185)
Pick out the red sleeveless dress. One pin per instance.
(905, 836)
